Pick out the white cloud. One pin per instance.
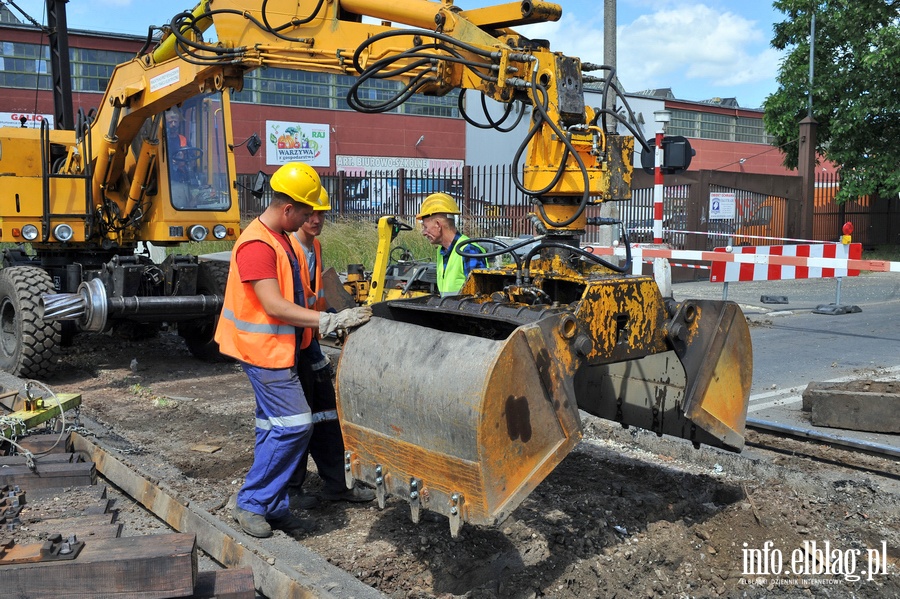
(695, 42)
(683, 46)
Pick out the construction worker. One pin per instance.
(438, 214)
(175, 142)
(176, 139)
(326, 446)
(261, 325)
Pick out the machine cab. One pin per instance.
(196, 154)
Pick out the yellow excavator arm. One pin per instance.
(431, 47)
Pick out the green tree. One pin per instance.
(855, 94)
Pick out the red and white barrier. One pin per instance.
(642, 253)
(806, 262)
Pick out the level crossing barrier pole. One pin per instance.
(662, 117)
(658, 189)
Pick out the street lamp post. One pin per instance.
(662, 117)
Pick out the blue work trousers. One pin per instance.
(326, 446)
(283, 429)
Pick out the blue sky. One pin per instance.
(706, 49)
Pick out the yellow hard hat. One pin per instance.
(324, 202)
(301, 183)
(438, 203)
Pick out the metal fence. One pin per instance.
(491, 204)
(875, 221)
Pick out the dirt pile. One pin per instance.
(625, 515)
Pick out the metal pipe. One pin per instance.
(182, 305)
(91, 307)
(416, 13)
(824, 437)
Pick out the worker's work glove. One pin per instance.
(341, 322)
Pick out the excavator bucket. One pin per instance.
(459, 424)
(698, 390)
(463, 405)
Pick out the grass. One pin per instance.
(343, 242)
(353, 242)
(158, 401)
(891, 253)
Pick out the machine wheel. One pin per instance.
(28, 345)
(198, 334)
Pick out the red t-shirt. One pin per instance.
(256, 259)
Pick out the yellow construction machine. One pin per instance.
(396, 274)
(460, 405)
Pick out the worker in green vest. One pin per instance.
(438, 215)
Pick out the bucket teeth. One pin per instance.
(415, 499)
(348, 470)
(380, 489)
(456, 521)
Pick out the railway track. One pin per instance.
(872, 458)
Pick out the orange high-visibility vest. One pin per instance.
(314, 300)
(245, 332)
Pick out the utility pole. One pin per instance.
(609, 58)
(806, 161)
(609, 209)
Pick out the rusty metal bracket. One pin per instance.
(57, 548)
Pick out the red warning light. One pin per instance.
(847, 229)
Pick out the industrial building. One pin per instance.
(425, 133)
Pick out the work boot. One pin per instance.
(291, 523)
(354, 495)
(254, 525)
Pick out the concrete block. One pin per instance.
(861, 405)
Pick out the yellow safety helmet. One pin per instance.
(324, 202)
(301, 183)
(438, 203)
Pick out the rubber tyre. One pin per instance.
(198, 334)
(28, 345)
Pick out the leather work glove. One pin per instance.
(341, 322)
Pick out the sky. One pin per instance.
(702, 50)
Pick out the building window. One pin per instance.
(705, 125)
(685, 123)
(24, 66)
(91, 69)
(284, 87)
(751, 130)
(717, 126)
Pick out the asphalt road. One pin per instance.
(794, 346)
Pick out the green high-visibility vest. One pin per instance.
(451, 279)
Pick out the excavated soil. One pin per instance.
(625, 515)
